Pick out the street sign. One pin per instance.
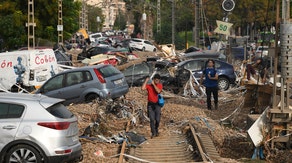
(59, 27)
(223, 27)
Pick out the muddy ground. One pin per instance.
(229, 136)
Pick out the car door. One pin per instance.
(136, 74)
(75, 84)
(196, 66)
(10, 118)
(148, 46)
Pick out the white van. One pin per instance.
(27, 69)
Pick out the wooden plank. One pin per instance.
(124, 145)
(198, 143)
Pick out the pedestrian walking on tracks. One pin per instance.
(210, 82)
(153, 87)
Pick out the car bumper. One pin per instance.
(118, 92)
(75, 156)
(232, 78)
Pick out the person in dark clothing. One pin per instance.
(262, 65)
(153, 108)
(210, 83)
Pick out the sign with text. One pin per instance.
(223, 27)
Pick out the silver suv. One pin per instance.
(86, 84)
(37, 128)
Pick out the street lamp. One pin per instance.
(98, 21)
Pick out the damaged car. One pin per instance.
(171, 79)
(226, 74)
(85, 84)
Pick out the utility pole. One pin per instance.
(173, 23)
(197, 23)
(60, 23)
(83, 16)
(30, 25)
(286, 54)
(280, 116)
(158, 17)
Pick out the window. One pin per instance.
(140, 69)
(136, 40)
(108, 71)
(60, 111)
(87, 76)
(147, 42)
(53, 84)
(10, 110)
(74, 78)
(193, 65)
(217, 65)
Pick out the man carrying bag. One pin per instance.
(153, 108)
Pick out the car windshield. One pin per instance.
(136, 40)
(60, 111)
(108, 71)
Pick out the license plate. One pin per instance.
(117, 82)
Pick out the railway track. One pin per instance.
(173, 148)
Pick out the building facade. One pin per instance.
(110, 10)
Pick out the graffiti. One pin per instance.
(5, 64)
(44, 59)
(19, 69)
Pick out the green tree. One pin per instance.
(259, 13)
(120, 22)
(93, 12)
(13, 15)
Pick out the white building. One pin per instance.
(110, 10)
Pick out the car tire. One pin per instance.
(143, 49)
(23, 153)
(223, 83)
(91, 97)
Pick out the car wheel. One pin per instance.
(143, 49)
(91, 97)
(23, 153)
(223, 83)
(154, 50)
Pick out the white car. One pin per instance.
(141, 44)
(96, 36)
(37, 128)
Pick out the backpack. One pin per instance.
(160, 100)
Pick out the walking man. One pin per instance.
(154, 110)
(210, 83)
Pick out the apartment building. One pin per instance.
(110, 10)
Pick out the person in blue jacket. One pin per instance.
(210, 82)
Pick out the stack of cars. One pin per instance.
(175, 75)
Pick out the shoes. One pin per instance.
(157, 134)
(216, 106)
(154, 135)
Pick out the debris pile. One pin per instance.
(102, 124)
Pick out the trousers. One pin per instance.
(154, 113)
(214, 91)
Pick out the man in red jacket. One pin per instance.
(153, 108)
